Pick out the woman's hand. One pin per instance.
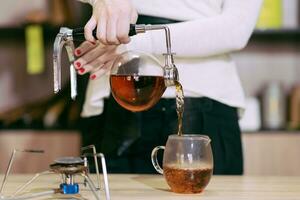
(112, 18)
(95, 58)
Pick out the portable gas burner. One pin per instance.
(68, 168)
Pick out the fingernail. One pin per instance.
(81, 70)
(78, 65)
(93, 76)
(93, 43)
(78, 52)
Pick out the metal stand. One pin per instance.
(96, 155)
(68, 168)
(11, 162)
(64, 38)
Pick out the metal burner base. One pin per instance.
(68, 168)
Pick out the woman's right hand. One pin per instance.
(112, 19)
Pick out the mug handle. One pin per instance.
(154, 159)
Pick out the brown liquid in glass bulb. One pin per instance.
(137, 93)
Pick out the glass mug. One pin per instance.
(187, 162)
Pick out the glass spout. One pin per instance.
(170, 74)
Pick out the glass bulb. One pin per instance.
(137, 80)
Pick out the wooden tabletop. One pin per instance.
(144, 187)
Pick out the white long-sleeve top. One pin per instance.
(212, 30)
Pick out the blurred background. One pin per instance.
(31, 116)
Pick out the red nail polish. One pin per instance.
(78, 52)
(81, 70)
(93, 76)
(78, 65)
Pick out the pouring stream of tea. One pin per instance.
(179, 106)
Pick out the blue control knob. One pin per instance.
(69, 189)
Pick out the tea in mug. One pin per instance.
(187, 180)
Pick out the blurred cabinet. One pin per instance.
(271, 153)
(54, 143)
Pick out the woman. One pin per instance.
(203, 34)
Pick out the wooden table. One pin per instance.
(144, 187)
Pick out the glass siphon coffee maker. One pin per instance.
(137, 79)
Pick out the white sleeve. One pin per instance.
(227, 32)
